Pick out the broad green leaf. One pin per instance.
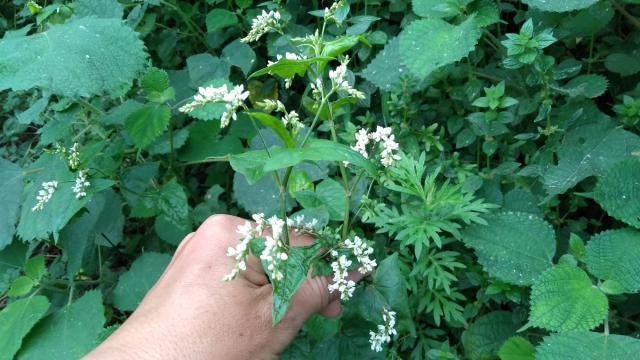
(483, 338)
(68, 333)
(564, 299)
(239, 54)
(20, 286)
(205, 68)
(136, 180)
(173, 203)
(428, 44)
(613, 255)
(435, 8)
(35, 268)
(329, 195)
(83, 57)
(15, 322)
(260, 196)
(146, 124)
(62, 205)
(517, 348)
(586, 22)
(513, 247)
(585, 345)
(218, 19)
(389, 282)
(341, 44)
(12, 184)
(108, 9)
(589, 86)
(387, 68)
(623, 64)
(617, 192)
(134, 284)
(276, 125)
(156, 85)
(587, 150)
(286, 68)
(203, 143)
(559, 5)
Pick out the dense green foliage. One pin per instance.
(506, 227)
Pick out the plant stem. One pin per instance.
(626, 14)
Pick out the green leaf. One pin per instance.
(564, 299)
(587, 150)
(20, 286)
(156, 84)
(63, 204)
(428, 44)
(435, 8)
(513, 247)
(483, 338)
(218, 19)
(139, 279)
(387, 68)
(108, 9)
(616, 191)
(287, 68)
(276, 125)
(341, 44)
(173, 203)
(203, 143)
(83, 57)
(589, 86)
(559, 6)
(12, 184)
(15, 322)
(623, 64)
(68, 333)
(585, 345)
(328, 195)
(258, 197)
(517, 348)
(146, 124)
(613, 255)
(389, 282)
(239, 54)
(205, 69)
(35, 268)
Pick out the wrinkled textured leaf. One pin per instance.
(585, 345)
(613, 255)
(559, 5)
(386, 69)
(484, 337)
(517, 348)
(617, 192)
(146, 124)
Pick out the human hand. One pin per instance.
(190, 313)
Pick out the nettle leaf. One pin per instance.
(63, 204)
(12, 185)
(218, 19)
(428, 44)
(513, 247)
(623, 64)
(83, 57)
(147, 124)
(517, 348)
(588, 150)
(589, 86)
(16, 320)
(564, 299)
(613, 255)
(108, 9)
(617, 192)
(173, 203)
(585, 345)
(287, 68)
(68, 333)
(483, 338)
(134, 284)
(559, 6)
(436, 8)
(387, 68)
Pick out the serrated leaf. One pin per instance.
(108, 9)
(585, 345)
(16, 320)
(387, 68)
(589, 86)
(134, 284)
(588, 150)
(617, 192)
(559, 6)
(84, 57)
(173, 203)
(147, 124)
(155, 80)
(517, 348)
(484, 337)
(12, 184)
(428, 44)
(68, 333)
(564, 299)
(513, 247)
(435, 8)
(613, 255)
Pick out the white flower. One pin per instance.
(288, 56)
(383, 136)
(45, 194)
(385, 331)
(340, 271)
(362, 140)
(292, 119)
(262, 24)
(80, 187)
(274, 251)
(233, 100)
(241, 251)
(361, 250)
(330, 13)
(340, 83)
(74, 156)
(269, 105)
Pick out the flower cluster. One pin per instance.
(299, 225)
(291, 118)
(330, 13)
(383, 136)
(80, 187)
(240, 252)
(45, 194)
(233, 100)
(340, 283)
(274, 251)
(361, 250)
(262, 24)
(73, 156)
(385, 331)
(340, 83)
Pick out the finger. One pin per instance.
(334, 309)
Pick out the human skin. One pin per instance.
(190, 313)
